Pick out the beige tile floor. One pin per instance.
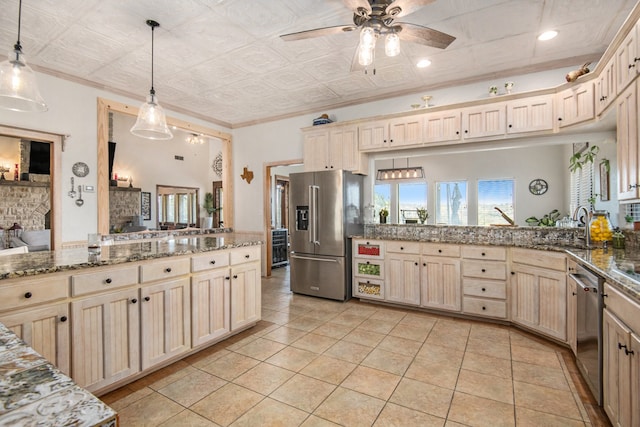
(314, 362)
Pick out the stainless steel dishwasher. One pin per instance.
(590, 288)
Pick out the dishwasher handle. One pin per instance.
(585, 287)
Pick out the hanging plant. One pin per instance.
(587, 156)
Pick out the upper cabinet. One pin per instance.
(627, 145)
(442, 126)
(334, 148)
(606, 85)
(484, 121)
(531, 114)
(575, 104)
(626, 58)
(384, 134)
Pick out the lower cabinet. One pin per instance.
(621, 360)
(210, 306)
(402, 277)
(106, 338)
(165, 310)
(44, 329)
(246, 295)
(440, 283)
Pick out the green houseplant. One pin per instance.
(384, 213)
(209, 207)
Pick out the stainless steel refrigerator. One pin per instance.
(325, 209)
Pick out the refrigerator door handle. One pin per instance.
(311, 214)
(313, 259)
(313, 197)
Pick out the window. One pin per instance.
(582, 186)
(451, 203)
(410, 197)
(381, 198)
(177, 207)
(491, 194)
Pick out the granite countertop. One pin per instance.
(33, 392)
(30, 264)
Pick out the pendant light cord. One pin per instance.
(17, 47)
(153, 27)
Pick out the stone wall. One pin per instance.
(124, 203)
(26, 203)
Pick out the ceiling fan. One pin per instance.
(376, 18)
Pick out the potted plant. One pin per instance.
(384, 213)
(422, 214)
(208, 206)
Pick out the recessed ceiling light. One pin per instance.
(423, 63)
(547, 35)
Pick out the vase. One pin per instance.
(383, 219)
(208, 222)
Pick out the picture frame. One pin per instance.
(579, 147)
(604, 182)
(145, 205)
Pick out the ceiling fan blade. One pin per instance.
(423, 35)
(354, 5)
(318, 32)
(408, 6)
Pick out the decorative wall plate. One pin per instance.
(217, 165)
(538, 187)
(80, 169)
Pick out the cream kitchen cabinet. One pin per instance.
(627, 147)
(334, 148)
(484, 121)
(626, 57)
(539, 291)
(393, 133)
(46, 330)
(368, 269)
(373, 135)
(246, 290)
(165, 310)
(210, 297)
(440, 276)
(402, 272)
(606, 86)
(106, 338)
(442, 126)
(575, 104)
(621, 358)
(484, 274)
(531, 114)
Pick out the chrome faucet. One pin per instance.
(587, 218)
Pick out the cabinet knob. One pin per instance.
(513, 273)
(107, 281)
(63, 319)
(457, 132)
(621, 346)
(402, 248)
(368, 263)
(167, 270)
(466, 131)
(326, 167)
(247, 256)
(636, 59)
(484, 289)
(212, 262)
(484, 308)
(483, 254)
(28, 295)
(510, 126)
(631, 66)
(416, 263)
(439, 251)
(133, 301)
(147, 298)
(483, 270)
(559, 119)
(424, 264)
(235, 276)
(574, 294)
(628, 352)
(227, 278)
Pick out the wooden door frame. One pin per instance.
(266, 191)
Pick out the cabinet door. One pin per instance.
(634, 396)
(106, 338)
(373, 135)
(245, 295)
(576, 104)
(539, 299)
(626, 60)
(627, 145)
(572, 315)
(166, 323)
(442, 127)
(316, 150)
(606, 86)
(616, 370)
(484, 121)
(46, 330)
(441, 283)
(530, 114)
(210, 304)
(406, 131)
(343, 149)
(402, 278)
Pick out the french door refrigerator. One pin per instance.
(325, 210)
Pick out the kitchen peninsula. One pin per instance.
(133, 308)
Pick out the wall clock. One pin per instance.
(217, 165)
(80, 169)
(538, 187)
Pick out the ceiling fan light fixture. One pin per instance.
(18, 86)
(365, 55)
(368, 37)
(392, 44)
(151, 122)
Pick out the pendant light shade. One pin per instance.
(392, 45)
(18, 86)
(151, 122)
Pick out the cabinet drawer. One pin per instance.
(368, 288)
(485, 307)
(368, 268)
(484, 269)
(164, 269)
(33, 292)
(246, 254)
(623, 307)
(404, 247)
(536, 258)
(209, 260)
(368, 249)
(484, 288)
(440, 249)
(108, 279)
(484, 252)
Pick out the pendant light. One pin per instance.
(151, 123)
(18, 87)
